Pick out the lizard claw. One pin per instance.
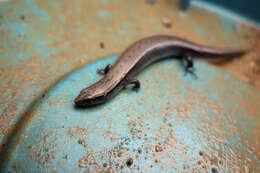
(191, 70)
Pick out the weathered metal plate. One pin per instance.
(173, 124)
(41, 41)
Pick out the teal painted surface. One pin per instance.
(35, 47)
(193, 123)
(248, 8)
(236, 10)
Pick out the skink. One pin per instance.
(139, 55)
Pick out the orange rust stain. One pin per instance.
(8, 11)
(2, 49)
(78, 132)
(16, 166)
(196, 101)
(247, 68)
(46, 137)
(10, 110)
(55, 103)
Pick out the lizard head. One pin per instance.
(89, 97)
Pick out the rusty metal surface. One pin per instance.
(173, 124)
(43, 41)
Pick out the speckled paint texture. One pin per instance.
(42, 42)
(174, 123)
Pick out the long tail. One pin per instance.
(219, 52)
(206, 51)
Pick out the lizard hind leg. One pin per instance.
(135, 82)
(189, 67)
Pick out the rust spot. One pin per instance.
(158, 148)
(122, 152)
(129, 162)
(22, 17)
(214, 170)
(46, 137)
(82, 142)
(65, 157)
(167, 23)
(109, 170)
(29, 146)
(15, 165)
(102, 45)
(77, 132)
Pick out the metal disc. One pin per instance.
(174, 123)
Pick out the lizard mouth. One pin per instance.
(87, 102)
